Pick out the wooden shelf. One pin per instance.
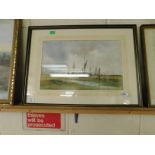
(83, 110)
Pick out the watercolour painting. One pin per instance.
(81, 65)
(6, 38)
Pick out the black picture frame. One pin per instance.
(146, 43)
(137, 60)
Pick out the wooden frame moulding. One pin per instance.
(71, 109)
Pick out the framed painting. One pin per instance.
(148, 46)
(9, 30)
(82, 65)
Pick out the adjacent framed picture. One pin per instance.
(9, 30)
(82, 65)
(148, 46)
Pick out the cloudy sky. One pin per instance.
(6, 34)
(97, 53)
